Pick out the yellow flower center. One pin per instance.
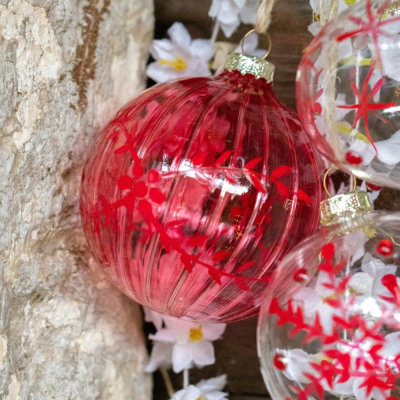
(177, 63)
(201, 398)
(196, 334)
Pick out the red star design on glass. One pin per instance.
(371, 26)
(365, 106)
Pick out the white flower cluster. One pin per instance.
(181, 57)
(184, 345)
(230, 13)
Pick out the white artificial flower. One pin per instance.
(204, 390)
(297, 364)
(153, 317)
(352, 245)
(161, 356)
(389, 45)
(190, 341)
(315, 5)
(179, 57)
(230, 13)
(388, 150)
(313, 302)
(369, 287)
(315, 27)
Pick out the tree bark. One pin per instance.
(66, 66)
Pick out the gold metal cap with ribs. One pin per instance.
(347, 204)
(245, 64)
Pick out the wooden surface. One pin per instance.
(236, 354)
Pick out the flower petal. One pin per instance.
(392, 345)
(154, 317)
(162, 49)
(203, 353)
(179, 35)
(212, 384)
(161, 355)
(182, 357)
(162, 73)
(163, 335)
(180, 328)
(389, 150)
(213, 331)
(202, 49)
(362, 283)
(190, 393)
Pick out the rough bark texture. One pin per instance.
(65, 68)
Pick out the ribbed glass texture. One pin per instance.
(194, 192)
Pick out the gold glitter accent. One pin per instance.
(250, 65)
(370, 232)
(346, 204)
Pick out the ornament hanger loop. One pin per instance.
(269, 42)
(326, 186)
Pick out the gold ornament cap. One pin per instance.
(245, 64)
(343, 205)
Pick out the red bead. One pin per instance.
(353, 158)
(279, 362)
(385, 248)
(154, 176)
(300, 275)
(374, 188)
(183, 197)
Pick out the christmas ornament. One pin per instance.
(196, 188)
(348, 91)
(330, 324)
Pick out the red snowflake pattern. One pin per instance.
(352, 351)
(372, 26)
(365, 105)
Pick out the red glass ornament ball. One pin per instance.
(194, 192)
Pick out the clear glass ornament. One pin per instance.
(329, 326)
(195, 190)
(348, 91)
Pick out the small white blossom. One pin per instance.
(190, 342)
(204, 390)
(153, 317)
(179, 57)
(230, 13)
(161, 356)
(312, 302)
(388, 150)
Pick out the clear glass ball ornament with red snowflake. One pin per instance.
(330, 325)
(348, 91)
(195, 190)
